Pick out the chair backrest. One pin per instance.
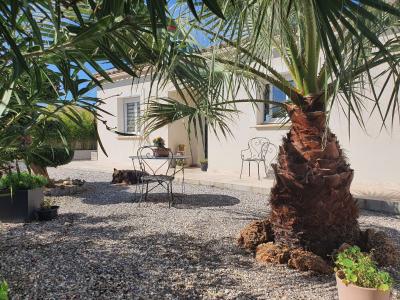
(153, 165)
(259, 147)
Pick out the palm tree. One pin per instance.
(332, 50)
(50, 50)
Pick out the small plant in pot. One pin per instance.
(21, 194)
(204, 165)
(160, 150)
(48, 211)
(358, 277)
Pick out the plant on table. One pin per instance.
(159, 142)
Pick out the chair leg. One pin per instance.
(147, 191)
(258, 169)
(249, 169)
(241, 169)
(172, 195)
(266, 169)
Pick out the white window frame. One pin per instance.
(126, 101)
(272, 120)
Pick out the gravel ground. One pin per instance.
(103, 246)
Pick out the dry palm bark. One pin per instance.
(312, 207)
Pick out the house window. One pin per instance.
(274, 113)
(131, 116)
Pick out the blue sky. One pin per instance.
(200, 38)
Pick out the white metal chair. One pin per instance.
(257, 151)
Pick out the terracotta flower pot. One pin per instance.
(353, 292)
(161, 152)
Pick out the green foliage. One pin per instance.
(3, 290)
(21, 181)
(327, 50)
(81, 135)
(356, 267)
(159, 142)
(204, 161)
(48, 156)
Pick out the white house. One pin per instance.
(372, 154)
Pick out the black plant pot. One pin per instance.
(21, 206)
(204, 167)
(48, 214)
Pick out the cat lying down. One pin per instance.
(127, 176)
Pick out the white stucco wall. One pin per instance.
(372, 154)
(118, 147)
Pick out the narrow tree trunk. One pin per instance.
(39, 170)
(312, 207)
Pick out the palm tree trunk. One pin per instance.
(312, 207)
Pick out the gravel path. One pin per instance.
(103, 246)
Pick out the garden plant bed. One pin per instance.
(64, 187)
(104, 246)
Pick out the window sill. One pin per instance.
(272, 126)
(122, 137)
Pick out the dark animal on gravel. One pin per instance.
(127, 176)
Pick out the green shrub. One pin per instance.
(82, 136)
(48, 156)
(21, 181)
(356, 267)
(3, 290)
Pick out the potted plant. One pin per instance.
(204, 165)
(21, 194)
(160, 150)
(358, 277)
(48, 211)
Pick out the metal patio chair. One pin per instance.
(257, 151)
(156, 174)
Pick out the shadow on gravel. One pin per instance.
(104, 193)
(187, 201)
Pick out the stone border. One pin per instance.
(378, 205)
(385, 206)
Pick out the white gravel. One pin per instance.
(104, 246)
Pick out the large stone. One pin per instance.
(254, 234)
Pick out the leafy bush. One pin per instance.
(356, 267)
(48, 156)
(82, 136)
(21, 181)
(3, 290)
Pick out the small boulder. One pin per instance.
(254, 234)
